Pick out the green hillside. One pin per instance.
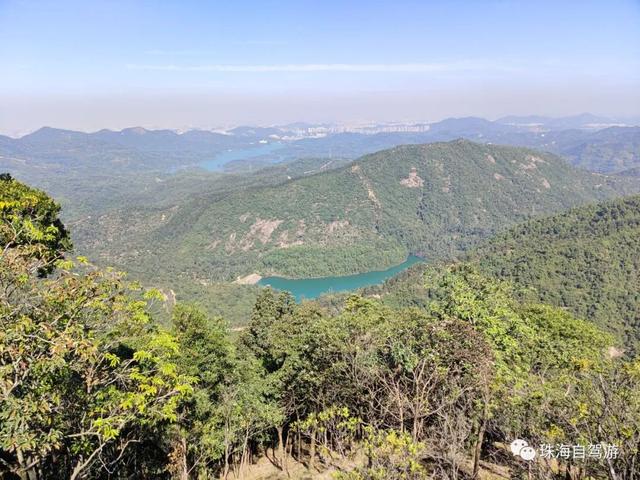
(585, 260)
(434, 200)
(611, 150)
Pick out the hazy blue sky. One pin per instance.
(93, 64)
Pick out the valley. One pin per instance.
(435, 201)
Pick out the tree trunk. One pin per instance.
(288, 452)
(482, 428)
(299, 442)
(184, 467)
(415, 430)
(225, 470)
(312, 450)
(26, 472)
(243, 459)
(281, 450)
(612, 472)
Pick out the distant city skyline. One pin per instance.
(193, 64)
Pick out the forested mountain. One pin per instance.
(585, 260)
(435, 200)
(613, 149)
(94, 387)
(631, 172)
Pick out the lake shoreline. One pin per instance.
(220, 159)
(285, 277)
(250, 279)
(310, 288)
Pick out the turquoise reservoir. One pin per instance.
(223, 158)
(310, 288)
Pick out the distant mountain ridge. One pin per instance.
(632, 172)
(605, 150)
(134, 137)
(583, 139)
(580, 121)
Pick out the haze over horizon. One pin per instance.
(195, 64)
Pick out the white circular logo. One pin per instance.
(520, 448)
(517, 445)
(527, 453)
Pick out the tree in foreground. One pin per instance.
(84, 373)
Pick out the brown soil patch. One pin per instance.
(413, 180)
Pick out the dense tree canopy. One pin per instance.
(83, 370)
(28, 217)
